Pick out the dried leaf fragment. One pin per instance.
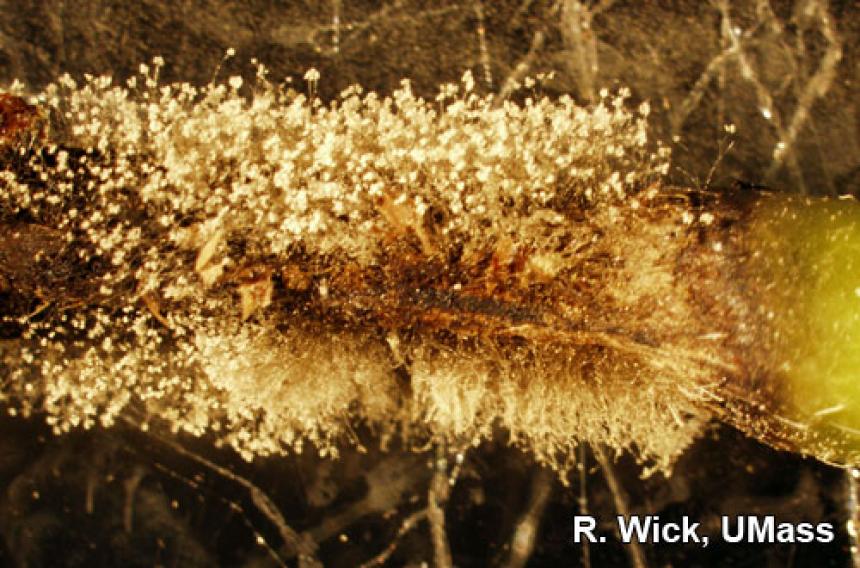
(403, 219)
(212, 272)
(255, 294)
(151, 304)
(208, 250)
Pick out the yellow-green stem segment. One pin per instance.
(804, 259)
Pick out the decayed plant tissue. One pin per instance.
(273, 270)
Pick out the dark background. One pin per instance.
(120, 498)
